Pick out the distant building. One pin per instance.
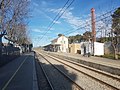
(48, 47)
(75, 48)
(60, 44)
(87, 47)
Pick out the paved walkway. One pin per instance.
(20, 74)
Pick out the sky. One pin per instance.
(42, 13)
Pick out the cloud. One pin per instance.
(41, 30)
(41, 12)
(68, 17)
(57, 22)
(43, 3)
(85, 25)
(72, 20)
(37, 30)
(29, 0)
(35, 4)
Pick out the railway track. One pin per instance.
(92, 69)
(78, 87)
(93, 77)
(49, 85)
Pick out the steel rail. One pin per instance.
(45, 74)
(96, 79)
(92, 69)
(78, 86)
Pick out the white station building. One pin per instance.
(87, 47)
(60, 44)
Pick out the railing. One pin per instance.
(9, 50)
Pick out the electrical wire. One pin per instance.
(109, 13)
(57, 17)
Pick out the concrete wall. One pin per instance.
(99, 48)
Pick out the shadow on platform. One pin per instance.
(4, 59)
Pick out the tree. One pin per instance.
(3, 5)
(79, 38)
(115, 31)
(13, 20)
(60, 35)
(116, 22)
(16, 23)
(87, 35)
(74, 39)
(103, 39)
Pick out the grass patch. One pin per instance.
(110, 56)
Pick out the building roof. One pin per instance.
(51, 45)
(55, 40)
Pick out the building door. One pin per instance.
(84, 50)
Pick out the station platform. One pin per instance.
(104, 64)
(19, 74)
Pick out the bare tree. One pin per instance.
(19, 13)
(115, 32)
(13, 20)
(3, 5)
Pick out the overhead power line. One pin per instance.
(99, 18)
(58, 16)
(58, 13)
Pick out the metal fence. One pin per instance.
(9, 50)
(9, 53)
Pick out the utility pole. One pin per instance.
(93, 27)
